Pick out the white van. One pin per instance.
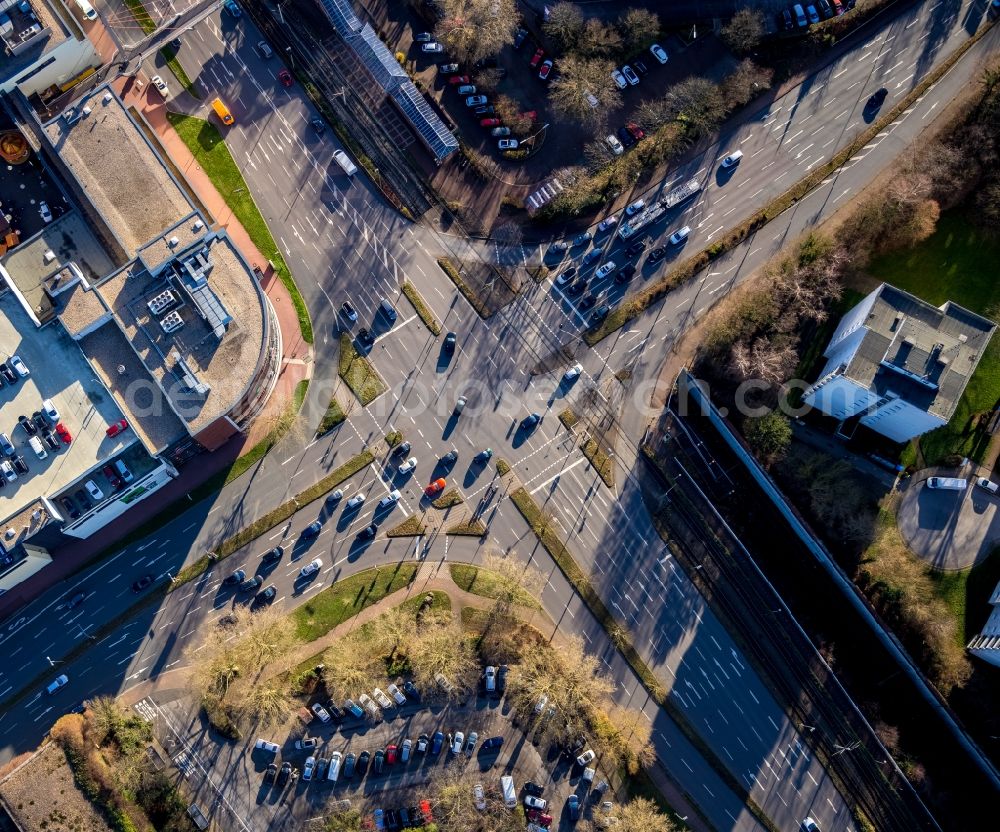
(509, 792)
(950, 483)
(333, 772)
(36, 445)
(123, 472)
(345, 162)
(86, 9)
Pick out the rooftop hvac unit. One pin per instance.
(107, 98)
(72, 115)
(172, 242)
(86, 110)
(49, 256)
(172, 322)
(198, 225)
(161, 302)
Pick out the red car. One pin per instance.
(546, 68)
(63, 433)
(116, 428)
(285, 77)
(539, 817)
(435, 487)
(489, 122)
(637, 132)
(459, 79)
(113, 478)
(531, 114)
(537, 57)
(391, 754)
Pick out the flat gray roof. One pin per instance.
(124, 178)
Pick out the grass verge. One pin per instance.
(474, 300)
(209, 150)
(450, 498)
(259, 451)
(538, 273)
(138, 11)
(485, 583)
(568, 418)
(600, 459)
(345, 599)
(170, 56)
(468, 528)
(393, 438)
(410, 527)
(334, 416)
(503, 467)
(440, 601)
(475, 619)
(423, 310)
(642, 300)
(544, 530)
(358, 372)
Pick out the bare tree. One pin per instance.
(350, 667)
(638, 28)
(509, 111)
(744, 31)
(584, 90)
(599, 39)
(744, 83)
(642, 815)
(564, 26)
(635, 733)
(598, 155)
(697, 103)
(264, 702)
(474, 29)
(439, 646)
(487, 80)
(514, 582)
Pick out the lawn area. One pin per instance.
(485, 583)
(957, 263)
(141, 16)
(334, 416)
(346, 598)
(170, 56)
(209, 149)
(358, 372)
(967, 593)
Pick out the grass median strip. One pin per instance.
(449, 499)
(141, 16)
(346, 598)
(410, 527)
(600, 459)
(170, 56)
(544, 530)
(423, 310)
(209, 150)
(358, 372)
(474, 300)
(334, 416)
(638, 303)
(568, 418)
(468, 528)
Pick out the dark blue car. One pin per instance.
(437, 742)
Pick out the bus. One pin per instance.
(222, 111)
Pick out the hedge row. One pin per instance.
(423, 310)
(474, 300)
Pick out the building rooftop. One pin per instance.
(25, 523)
(122, 175)
(28, 29)
(921, 353)
(197, 328)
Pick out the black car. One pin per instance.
(402, 449)
(349, 765)
(825, 9)
(588, 301)
(362, 766)
(485, 110)
(319, 126)
(573, 807)
(576, 288)
(237, 576)
(368, 532)
(251, 584)
(600, 313)
(175, 44)
(27, 424)
(52, 441)
(533, 789)
(625, 274)
(377, 768)
(40, 421)
(502, 679)
(876, 100)
(785, 22)
(483, 63)
(636, 248)
(404, 818)
(20, 465)
(273, 555)
(411, 691)
(656, 255)
(271, 773)
(312, 530)
(70, 507)
(519, 37)
(625, 137)
(268, 595)
(8, 372)
(449, 342)
(391, 821)
(365, 337)
(450, 458)
(76, 600)
(529, 422)
(143, 583)
(337, 714)
(640, 67)
(284, 774)
(83, 499)
(416, 817)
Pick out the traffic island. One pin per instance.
(449, 499)
(358, 372)
(473, 527)
(421, 307)
(412, 526)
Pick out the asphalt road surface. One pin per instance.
(342, 241)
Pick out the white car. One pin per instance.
(8, 471)
(619, 79)
(573, 372)
(356, 500)
(732, 159)
(586, 757)
(479, 797)
(614, 144)
(635, 207)
(475, 100)
(321, 712)
(607, 222)
(389, 499)
(987, 484)
(308, 768)
(396, 694)
(433, 46)
(605, 270)
(680, 235)
(809, 825)
(659, 53)
(160, 84)
(408, 466)
(630, 75)
(50, 411)
(457, 742)
(19, 366)
(533, 802)
(543, 700)
(45, 211)
(383, 700)
(94, 492)
(311, 568)
(507, 144)
(265, 745)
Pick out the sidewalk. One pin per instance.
(297, 355)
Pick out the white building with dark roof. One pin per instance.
(899, 365)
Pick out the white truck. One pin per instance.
(659, 208)
(345, 162)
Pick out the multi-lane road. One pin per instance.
(341, 241)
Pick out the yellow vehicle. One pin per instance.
(222, 111)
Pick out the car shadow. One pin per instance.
(358, 547)
(724, 175)
(522, 434)
(348, 516)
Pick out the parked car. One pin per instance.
(534, 789)
(407, 466)
(630, 75)
(457, 741)
(437, 742)
(306, 743)
(586, 758)
(355, 709)
(489, 122)
(607, 223)
(531, 421)
(44, 211)
(396, 694)
(459, 79)
(656, 255)
(637, 132)
(435, 487)
(285, 77)
(533, 802)
(467, 89)
(160, 84)
(19, 366)
(268, 595)
(659, 53)
(485, 110)
(619, 79)
(356, 500)
(573, 373)
(566, 276)
(321, 712)
(605, 270)
(423, 37)
(433, 47)
(273, 555)
(500, 131)
(448, 68)
(423, 741)
(27, 424)
(479, 797)
(536, 59)
(626, 138)
(237, 577)
(635, 207)
(507, 144)
(573, 807)
(116, 428)
(544, 70)
(812, 14)
(988, 485)
(475, 100)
